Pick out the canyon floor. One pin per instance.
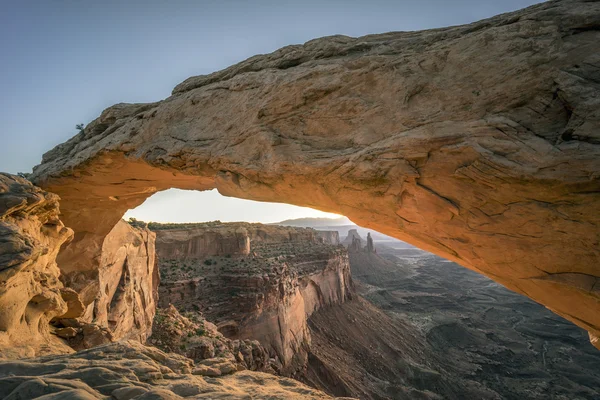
(480, 339)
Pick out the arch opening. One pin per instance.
(450, 304)
(522, 259)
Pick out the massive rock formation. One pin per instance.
(266, 295)
(31, 293)
(351, 238)
(329, 237)
(479, 143)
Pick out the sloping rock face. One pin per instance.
(118, 300)
(31, 293)
(121, 294)
(129, 370)
(128, 281)
(478, 143)
(267, 295)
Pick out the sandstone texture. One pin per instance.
(128, 283)
(479, 143)
(31, 294)
(129, 370)
(266, 295)
(119, 298)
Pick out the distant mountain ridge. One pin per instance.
(314, 222)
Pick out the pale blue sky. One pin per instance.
(63, 62)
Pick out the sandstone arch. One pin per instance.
(480, 143)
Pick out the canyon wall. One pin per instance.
(279, 322)
(329, 237)
(478, 143)
(198, 240)
(266, 295)
(201, 242)
(39, 317)
(119, 298)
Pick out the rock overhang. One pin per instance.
(478, 143)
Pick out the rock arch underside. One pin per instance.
(479, 143)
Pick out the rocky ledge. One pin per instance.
(129, 370)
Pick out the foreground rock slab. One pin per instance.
(129, 370)
(479, 143)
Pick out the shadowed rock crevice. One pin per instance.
(478, 143)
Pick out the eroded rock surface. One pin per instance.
(129, 370)
(196, 338)
(479, 143)
(128, 282)
(31, 294)
(120, 296)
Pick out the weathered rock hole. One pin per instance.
(567, 135)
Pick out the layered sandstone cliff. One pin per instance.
(329, 237)
(266, 295)
(120, 297)
(198, 240)
(201, 242)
